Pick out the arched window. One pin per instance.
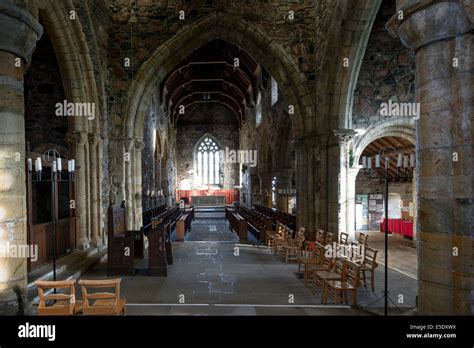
(274, 91)
(258, 110)
(208, 162)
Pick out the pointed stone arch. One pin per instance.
(219, 25)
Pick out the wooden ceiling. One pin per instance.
(394, 146)
(208, 75)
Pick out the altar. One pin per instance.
(209, 197)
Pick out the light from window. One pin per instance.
(274, 91)
(258, 114)
(274, 184)
(208, 162)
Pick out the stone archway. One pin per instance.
(77, 72)
(402, 128)
(219, 25)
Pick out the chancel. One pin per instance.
(236, 158)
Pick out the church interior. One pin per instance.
(243, 158)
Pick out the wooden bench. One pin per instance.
(123, 246)
(258, 223)
(277, 216)
(157, 251)
(149, 215)
(57, 304)
(102, 303)
(238, 225)
(183, 224)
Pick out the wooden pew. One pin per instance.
(123, 246)
(183, 224)
(239, 226)
(277, 216)
(258, 223)
(157, 260)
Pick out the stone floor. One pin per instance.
(401, 252)
(213, 274)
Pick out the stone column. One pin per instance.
(350, 200)
(137, 183)
(266, 188)
(95, 201)
(283, 188)
(440, 34)
(80, 141)
(128, 187)
(18, 37)
(254, 187)
(308, 183)
(346, 196)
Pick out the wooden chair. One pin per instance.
(320, 236)
(329, 238)
(369, 265)
(333, 274)
(270, 236)
(348, 282)
(293, 247)
(320, 263)
(102, 303)
(281, 239)
(344, 238)
(62, 303)
(363, 238)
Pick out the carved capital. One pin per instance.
(128, 144)
(344, 135)
(139, 145)
(93, 139)
(76, 139)
(20, 30)
(422, 22)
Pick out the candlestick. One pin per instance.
(59, 164)
(54, 167)
(377, 161)
(38, 166)
(73, 165)
(369, 162)
(399, 160)
(30, 165)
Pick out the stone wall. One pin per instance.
(43, 89)
(138, 28)
(387, 72)
(200, 119)
(273, 140)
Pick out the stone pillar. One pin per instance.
(346, 195)
(308, 183)
(95, 201)
(266, 188)
(440, 34)
(283, 188)
(351, 177)
(137, 183)
(18, 37)
(254, 189)
(80, 141)
(128, 187)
